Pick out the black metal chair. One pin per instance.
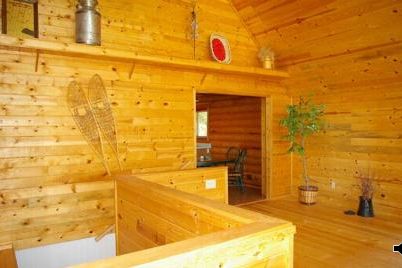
(236, 173)
(233, 153)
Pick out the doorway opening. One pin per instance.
(226, 126)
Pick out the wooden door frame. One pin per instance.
(266, 139)
(266, 146)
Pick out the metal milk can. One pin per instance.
(88, 23)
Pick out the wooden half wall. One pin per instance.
(162, 227)
(194, 181)
(149, 217)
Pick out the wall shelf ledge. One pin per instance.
(79, 50)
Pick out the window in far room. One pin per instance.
(202, 124)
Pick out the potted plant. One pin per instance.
(303, 120)
(267, 57)
(366, 187)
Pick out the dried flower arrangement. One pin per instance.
(267, 57)
(266, 52)
(366, 186)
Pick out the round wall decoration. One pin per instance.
(220, 49)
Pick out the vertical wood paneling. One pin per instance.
(279, 161)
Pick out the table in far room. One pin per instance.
(213, 163)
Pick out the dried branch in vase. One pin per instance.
(366, 186)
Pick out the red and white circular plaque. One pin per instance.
(220, 49)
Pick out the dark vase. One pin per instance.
(365, 208)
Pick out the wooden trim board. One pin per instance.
(7, 256)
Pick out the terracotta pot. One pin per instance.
(365, 207)
(308, 194)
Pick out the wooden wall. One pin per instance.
(154, 27)
(235, 121)
(348, 53)
(279, 169)
(53, 188)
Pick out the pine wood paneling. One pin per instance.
(235, 122)
(53, 188)
(279, 161)
(46, 166)
(348, 53)
(154, 27)
(149, 217)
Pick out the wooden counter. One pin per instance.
(161, 227)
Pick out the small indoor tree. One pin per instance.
(303, 120)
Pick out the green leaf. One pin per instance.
(303, 120)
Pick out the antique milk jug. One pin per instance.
(88, 23)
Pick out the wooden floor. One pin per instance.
(237, 197)
(328, 238)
